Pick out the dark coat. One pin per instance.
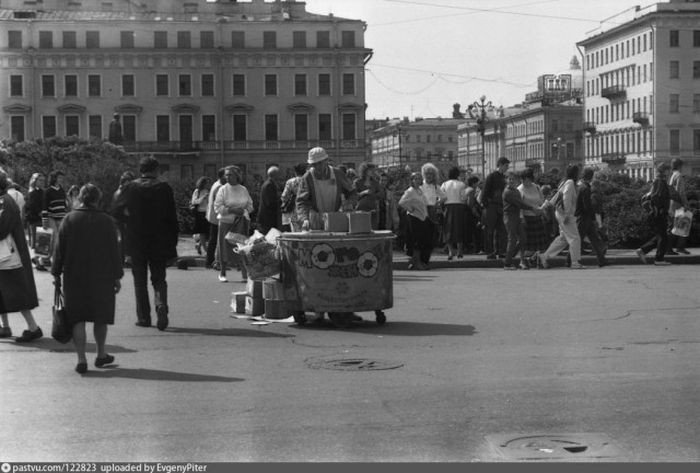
(17, 287)
(147, 207)
(269, 211)
(87, 254)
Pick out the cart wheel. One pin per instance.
(299, 317)
(381, 318)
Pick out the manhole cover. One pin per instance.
(351, 364)
(554, 446)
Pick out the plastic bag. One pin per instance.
(682, 220)
(260, 254)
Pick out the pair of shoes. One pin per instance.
(450, 257)
(460, 255)
(662, 263)
(509, 267)
(524, 265)
(5, 332)
(543, 261)
(104, 360)
(143, 323)
(603, 263)
(28, 336)
(577, 265)
(641, 255)
(222, 278)
(491, 256)
(81, 368)
(162, 313)
(411, 266)
(672, 253)
(207, 265)
(683, 251)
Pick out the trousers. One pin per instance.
(140, 265)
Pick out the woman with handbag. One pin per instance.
(536, 235)
(198, 205)
(436, 198)
(87, 256)
(34, 205)
(17, 287)
(420, 227)
(232, 205)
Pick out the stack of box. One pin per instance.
(254, 302)
(238, 302)
(273, 294)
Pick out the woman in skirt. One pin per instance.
(455, 213)
(198, 204)
(17, 288)
(536, 236)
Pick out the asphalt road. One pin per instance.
(474, 358)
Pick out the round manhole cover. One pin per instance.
(351, 364)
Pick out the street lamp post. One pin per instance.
(477, 111)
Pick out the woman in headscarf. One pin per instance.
(87, 255)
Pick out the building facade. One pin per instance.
(198, 84)
(642, 89)
(404, 143)
(543, 132)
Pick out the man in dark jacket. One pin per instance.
(269, 211)
(492, 201)
(147, 207)
(585, 216)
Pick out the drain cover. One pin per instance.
(351, 364)
(554, 446)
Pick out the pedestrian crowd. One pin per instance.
(506, 216)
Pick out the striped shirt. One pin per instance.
(55, 202)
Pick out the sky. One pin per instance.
(430, 54)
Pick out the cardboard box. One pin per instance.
(360, 222)
(254, 289)
(275, 309)
(273, 289)
(335, 222)
(254, 306)
(238, 302)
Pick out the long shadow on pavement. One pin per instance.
(48, 344)
(226, 332)
(158, 375)
(411, 329)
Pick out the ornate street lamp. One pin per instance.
(477, 111)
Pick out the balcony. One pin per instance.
(614, 92)
(589, 127)
(614, 159)
(641, 117)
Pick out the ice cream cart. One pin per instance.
(337, 273)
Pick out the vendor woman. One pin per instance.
(320, 190)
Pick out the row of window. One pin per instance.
(180, 39)
(638, 142)
(185, 127)
(626, 77)
(621, 50)
(622, 143)
(618, 111)
(162, 88)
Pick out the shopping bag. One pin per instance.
(61, 330)
(682, 220)
(43, 241)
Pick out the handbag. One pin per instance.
(9, 256)
(682, 220)
(61, 330)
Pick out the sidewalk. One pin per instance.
(186, 250)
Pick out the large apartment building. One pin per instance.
(543, 132)
(402, 143)
(199, 84)
(642, 89)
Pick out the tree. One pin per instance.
(82, 161)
